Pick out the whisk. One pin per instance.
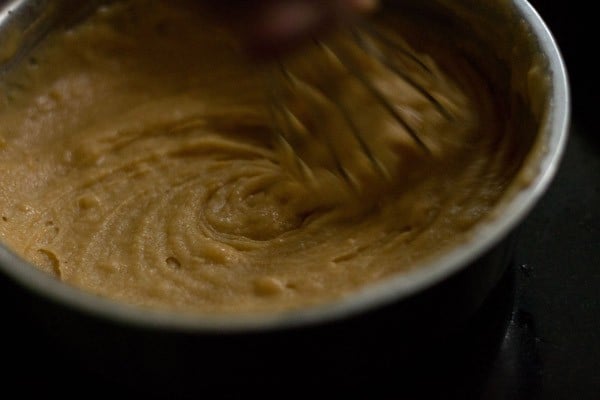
(297, 101)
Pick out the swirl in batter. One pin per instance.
(138, 163)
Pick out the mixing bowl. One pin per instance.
(506, 40)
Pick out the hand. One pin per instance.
(269, 27)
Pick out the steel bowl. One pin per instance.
(507, 40)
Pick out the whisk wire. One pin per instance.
(388, 63)
(373, 43)
(284, 122)
(389, 107)
(391, 43)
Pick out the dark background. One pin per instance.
(538, 336)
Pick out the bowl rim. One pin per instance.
(393, 289)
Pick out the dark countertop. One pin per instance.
(537, 337)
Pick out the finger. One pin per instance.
(285, 24)
(267, 28)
